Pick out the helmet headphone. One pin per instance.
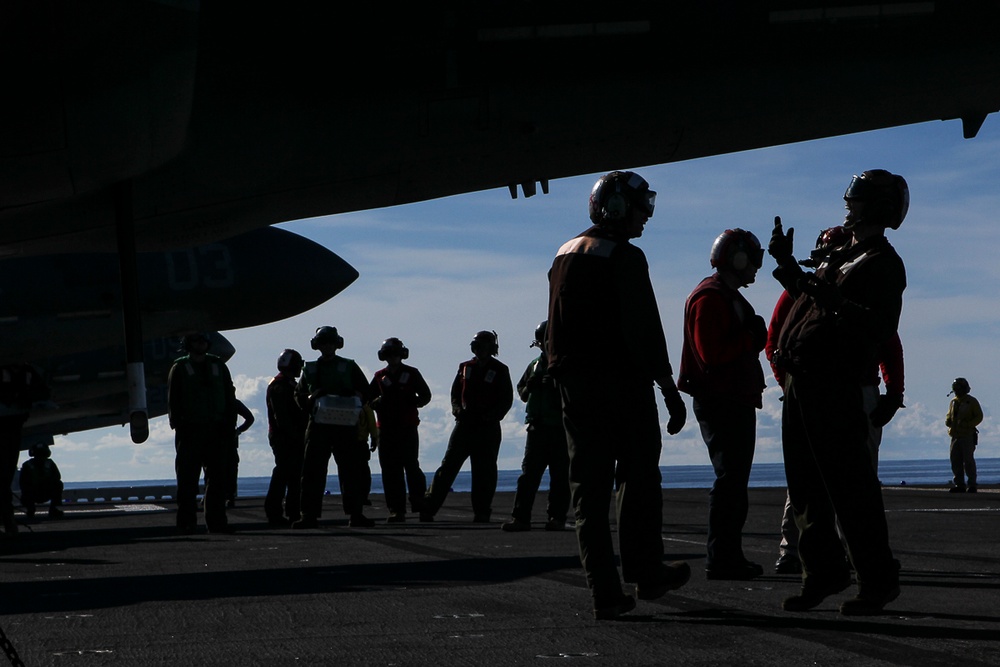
(288, 359)
(189, 340)
(614, 195)
(540, 333)
(393, 347)
(960, 387)
(487, 338)
(326, 335)
(735, 250)
(886, 197)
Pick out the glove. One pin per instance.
(780, 246)
(789, 276)
(675, 407)
(825, 293)
(885, 409)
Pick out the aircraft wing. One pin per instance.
(225, 116)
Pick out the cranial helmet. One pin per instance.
(828, 239)
(886, 199)
(289, 359)
(485, 341)
(960, 386)
(192, 338)
(540, 331)
(616, 194)
(325, 335)
(39, 449)
(735, 250)
(392, 347)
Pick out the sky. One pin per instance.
(434, 273)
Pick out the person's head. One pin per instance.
(737, 255)
(540, 332)
(622, 201)
(290, 363)
(197, 343)
(961, 387)
(39, 450)
(326, 340)
(875, 200)
(828, 239)
(393, 351)
(485, 344)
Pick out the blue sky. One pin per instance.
(434, 273)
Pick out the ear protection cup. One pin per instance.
(617, 207)
(739, 260)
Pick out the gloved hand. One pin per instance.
(825, 293)
(675, 407)
(885, 409)
(789, 276)
(780, 246)
(758, 332)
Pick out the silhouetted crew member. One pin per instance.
(332, 390)
(828, 347)
(399, 391)
(286, 433)
(964, 415)
(41, 481)
(720, 368)
(544, 447)
(367, 432)
(481, 395)
(20, 386)
(201, 403)
(600, 298)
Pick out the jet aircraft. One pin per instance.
(147, 125)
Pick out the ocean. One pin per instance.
(933, 472)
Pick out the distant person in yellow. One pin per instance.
(964, 415)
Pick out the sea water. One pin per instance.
(928, 472)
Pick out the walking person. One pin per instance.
(964, 415)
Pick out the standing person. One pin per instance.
(367, 432)
(827, 348)
(964, 415)
(332, 391)
(399, 392)
(21, 385)
(286, 433)
(41, 481)
(720, 368)
(201, 403)
(545, 446)
(244, 413)
(481, 395)
(601, 297)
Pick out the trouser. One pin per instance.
(478, 442)
(286, 478)
(49, 492)
(613, 435)
(399, 449)
(830, 477)
(322, 441)
(963, 460)
(544, 447)
(10, 452)
(730, 432)
(200, 446)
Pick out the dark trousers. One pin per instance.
(545, 447)
(478, 442)
(830, 477)
(50, 491)
(730, 433)
(205, 446)
(10, 452)
(322, 441)
(286, 478)
(963, 459)
(613, 435)
(399, 450)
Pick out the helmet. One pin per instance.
(960, 386)
(192, 338)
(487, 341)
(615, 194)
(735, 250)
(39, 449)
(392, 347)
(326, 335)
(828, 239)
(289, 359)
(540, 331)
(885, 195)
